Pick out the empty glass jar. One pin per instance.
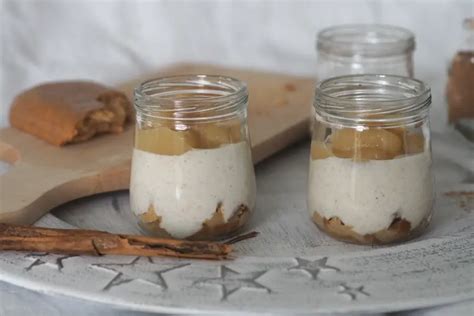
(370, 179)
(365, 49)
(192, 173)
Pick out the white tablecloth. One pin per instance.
(21, 302)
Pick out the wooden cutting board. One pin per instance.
(44, 176)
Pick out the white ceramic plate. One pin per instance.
(291, 266)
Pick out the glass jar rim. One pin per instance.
(372, 98)
(195, 97)
(369, 40)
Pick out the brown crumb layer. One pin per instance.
(399, 230)
(213, 228)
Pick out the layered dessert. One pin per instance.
(372, 186)
(460, 95)
(192, 183)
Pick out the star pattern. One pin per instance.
(57, 261)
(353, 292)
(231, 281)
(140, 268)
(313, 268)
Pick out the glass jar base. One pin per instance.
(212, 229)
(399, 231)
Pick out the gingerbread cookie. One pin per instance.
(70, 111)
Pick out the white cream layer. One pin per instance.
(369, 195)
(186, 189)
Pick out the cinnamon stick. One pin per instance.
(97, 243)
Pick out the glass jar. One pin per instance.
(370, 179)
(365, 49)
(460, 94)
(192, 173)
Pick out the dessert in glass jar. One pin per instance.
(370, 178)
(192, 173)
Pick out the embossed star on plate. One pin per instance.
(353, 292)
(141, 268)
(52, 260)
(313, 268)
(231, 281)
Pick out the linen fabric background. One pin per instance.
(112, 41)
